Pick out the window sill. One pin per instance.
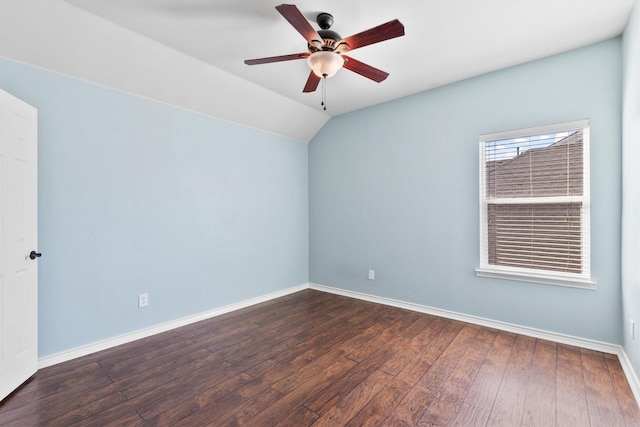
(536, 278)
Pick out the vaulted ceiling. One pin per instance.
(190, 53)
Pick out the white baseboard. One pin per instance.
(164, 327)
(503, 326)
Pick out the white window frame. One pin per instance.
(579, 280)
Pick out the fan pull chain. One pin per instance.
(324, 93)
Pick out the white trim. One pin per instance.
(538, 130)
(526, 275)
(534, 200)
(164, 327)
(548, 277)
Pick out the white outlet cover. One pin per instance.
(143, 300)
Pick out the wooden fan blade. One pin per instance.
(389, 30)
(312, 83)
(292, 14)
(276, 58)
(364, 70)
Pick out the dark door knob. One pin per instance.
(34, 255)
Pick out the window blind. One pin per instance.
(540, 236)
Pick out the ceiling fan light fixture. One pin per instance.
(324, 63)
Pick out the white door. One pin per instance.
(18, 237)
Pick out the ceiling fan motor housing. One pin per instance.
(329, 37)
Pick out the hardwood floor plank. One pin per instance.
(116, 416)
(68, 413)
(508, 407)
(603, 405)
(301, 417)
(520, 362)
(453, 391)
(407, 347)
(391, 315)
(540, 402)
(137, 357)
(411, 408)
(290, 313)
(443, 331)
(329, 333)
(465, 372)
(623, 391)
(571, 406)
(124, 350)
(455, 337)
(443, 366)
(195, 413)
(149, 380)
(444, 405)
(351, 326)
(394, 331)
(295, 398)
(570, 365)
(223, 339)
(80, 413)
(49, 409)
(571, 402)
(485, 386)
(470, 416)
(269, 354)
(441, 411)
(295, 378)
(356, 399)
(178, 354)
(289, 360)
(174, 409)
(377, 359)
(378, 408)
(187, 396)
(233, 415)
(254, 345)
(313, 358)
(62, 381)
(328, 396)
(35, 398)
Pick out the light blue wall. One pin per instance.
(631, 188)
(136, 196)
(394, 188)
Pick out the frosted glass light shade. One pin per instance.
(324, 63)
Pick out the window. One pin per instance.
(534, 205)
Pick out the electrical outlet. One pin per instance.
(372, 275)
(143, 300)
(633, 330)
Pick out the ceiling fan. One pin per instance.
(325, 48)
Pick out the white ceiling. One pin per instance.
(445, 41)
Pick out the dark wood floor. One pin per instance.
(318, 359)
